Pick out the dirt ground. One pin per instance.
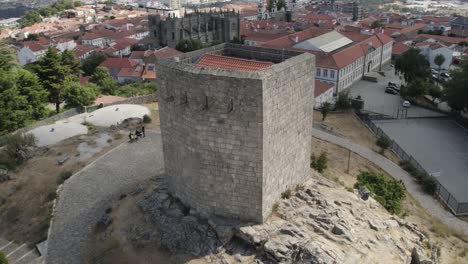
(454, 247)
(26, 200)
(348, 125)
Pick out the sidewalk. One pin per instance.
(430, 204)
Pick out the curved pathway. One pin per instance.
(432, 206)
(86, 195)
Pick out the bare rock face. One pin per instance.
(325, 224)
(320, 223)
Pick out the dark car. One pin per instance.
(394, 88)
(392, 84)
(391, 90)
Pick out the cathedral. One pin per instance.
(208, 27)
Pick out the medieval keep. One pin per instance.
(236, 127)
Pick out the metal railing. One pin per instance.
(458, 208)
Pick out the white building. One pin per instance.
(30, 52)
(430, 50)
(323, 92)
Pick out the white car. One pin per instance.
(406, 104)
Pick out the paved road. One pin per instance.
(430, 204)
(376, 100)
(87, 194)
(439, 145)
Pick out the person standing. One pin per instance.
(143, 130)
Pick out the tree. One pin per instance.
(434, 91)
(281, 4)
(93, 61)
(319, 164)
(22, 98)
(439, 60)
(326, 107)
(376, 24)
(77, 95)
(73, 64)
(30, 18)
(187, 45)
(77, 3)
(384, 143)
(32, 37)
(102, 79)
(343, 101)
(415, 88)
(53, 72)
(412, 64)
(455, 90)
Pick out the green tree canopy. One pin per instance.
(102, 79)
(30, 18)
(412, 65)
(415, 88)
(77, 95)
(376, 24)
(69, 60)
(22, 98)
(456, 89)
(92, 62)
(439, 60)
(53, 70)
(187, 45)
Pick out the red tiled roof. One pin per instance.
(149, 73)
(34, 46)
(166, 52)
(435, 46)
(131, 72)
(435, 19)
(108, 99)
(231, 63)
(118, 63)
(451, 40)
(400, 48)
(263, 36)
(424, 43)
(413, 28)
(124, 43)
(348, 56)
(84, 80)
(384, 38)
(137, 55)
(82, 50)
(322, 87)
(355, 36)
(289, 40)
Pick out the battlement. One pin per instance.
(235, 138)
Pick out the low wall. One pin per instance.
(144, 99)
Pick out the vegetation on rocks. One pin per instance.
(320, 163)
(383, 142)
(427, 182)
(3, 259)
(389, 192)
(16, 150)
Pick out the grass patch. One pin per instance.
(63, 176)
(92, 129)
(117, 136)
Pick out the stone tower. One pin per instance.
(236, 127)
(208, 27)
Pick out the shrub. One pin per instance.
(146, 119)
(343, 101)
(319, 164)
(383, 142)
(428, 183)
(3, 259)
(91, 128)
(387, 191)
(286, 194)
(63, 176)
(16, 150)
(51, 195)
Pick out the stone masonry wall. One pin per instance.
(288, 94)
(211, 129)
(234, 141)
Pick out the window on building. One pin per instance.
(332, 74)
(325, 73)
(318, 72)
(173, 35)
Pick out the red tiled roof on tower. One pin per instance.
(400, 48)
(230, 63)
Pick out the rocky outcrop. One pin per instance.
(319, 223)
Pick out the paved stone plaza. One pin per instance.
(439, 145)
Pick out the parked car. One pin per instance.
(406, 104)
(392, 84)
(394, 88)
(445, 74)
(434, 71)
(390, 90)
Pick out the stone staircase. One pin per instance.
(20, 254)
